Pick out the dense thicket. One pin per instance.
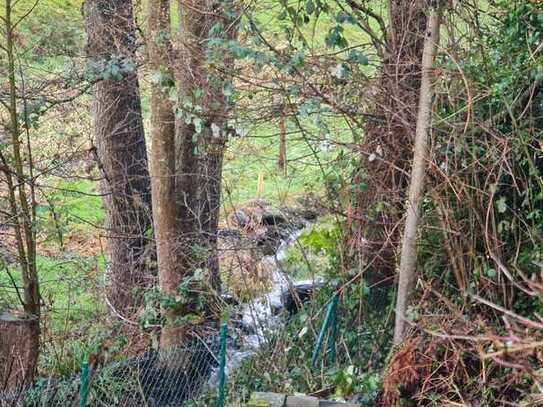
(276, 100)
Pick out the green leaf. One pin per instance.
(341, 71)
(198, 124)
(501, 204)
(228, 89)
(215, 130)
(298, 58)
(309, 7)
(491, 273)
(358, 57)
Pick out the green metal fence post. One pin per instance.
(330, 313)
(333, 336)
(84, 385)
(222, 365)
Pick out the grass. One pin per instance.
(248, 158)
(80, 205)
(309, 159)
(72, 308)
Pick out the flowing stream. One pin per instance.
(264, 314)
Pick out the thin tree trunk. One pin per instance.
(22, 212)
(121, 150)
(22, 203)
(165, 212)
(282, 160)
(408, 261)
(385, 151)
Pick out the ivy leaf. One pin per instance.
(198, 124)
(228, 89)
(501, 204)
(358, 57)
(335, 38)
(341, 71)
(215, 130)
(491, 273)
(343, 17)
(310, 7)
(162, 79)
(298, 59)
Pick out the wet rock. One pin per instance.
(270, 240)
(229, 299)
(273, 219)
(299, 294)
(240, 218)
(301, 215)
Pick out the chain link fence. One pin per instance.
(155, 379)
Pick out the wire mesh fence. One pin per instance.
(155, 379)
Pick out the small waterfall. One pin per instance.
(263, 315)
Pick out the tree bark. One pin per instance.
(19, 344)
(187, 154)
(408, 260)
(201, 150)
(282, 160)
(121, 150)
(385, 150)
(163, 170)
(22, 208)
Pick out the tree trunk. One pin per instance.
(19, 355)
(19, 344)
(201, 148)
(408, 260)
(282, 160)
(188, 150)
(385, 150)
(165, 212)
(121, 149)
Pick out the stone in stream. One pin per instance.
(295, 297)
(270, 241)
(240, 219)
(273, 218)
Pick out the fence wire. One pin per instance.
(155, 379)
